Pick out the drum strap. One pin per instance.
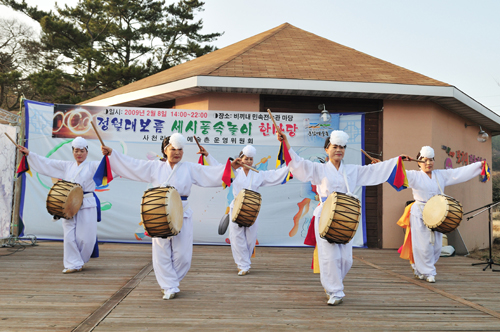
(345, 180)
(80, 167)
(346, 184)
(164, 184)
(441, 190)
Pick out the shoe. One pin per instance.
(334, 300)
(418, 276)
(66, 271)
(431, 279)
(168, 296)
(243, 272)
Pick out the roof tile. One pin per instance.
(285, 52)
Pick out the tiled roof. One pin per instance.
(285, 52)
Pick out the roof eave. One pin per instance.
(447, 96)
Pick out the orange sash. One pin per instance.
(406, 251)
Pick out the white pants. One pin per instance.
(425, 253)
(242, 243)
(335, 260)
(172, 257)
(79, 237)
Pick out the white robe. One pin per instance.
(243, 238)
(426, 253)
(335, 260)
(171, 256)
(80, 231)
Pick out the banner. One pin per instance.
(7, 172)
(138, 132)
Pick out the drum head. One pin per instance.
(435, 211)
(326, 217)
(73, 202)
(174, 209)
(223, 224)
(238, 202)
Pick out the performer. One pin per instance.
(335, 260)
(80, 232)
(243, 238)
(425, 183)
(171, 256)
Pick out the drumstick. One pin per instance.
(98, 136)
(272, 118)
(196, 140)
(415, 160)
(366, 154)
(11, 140)
(250, 167)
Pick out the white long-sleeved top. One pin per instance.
(68, 171)
(254, 180)
(424, 187)
(157, 172)
(328, 179)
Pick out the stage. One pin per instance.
(118, 292)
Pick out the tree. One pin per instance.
(18, 59)
(181, 39)
(100, 45)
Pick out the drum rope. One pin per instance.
(156, 224)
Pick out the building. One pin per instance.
(287, 69)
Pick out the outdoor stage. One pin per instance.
(118, 292)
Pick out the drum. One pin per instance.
(246, 208)
(442, 213)
(339, 218)
(64, 199)
(162, 212)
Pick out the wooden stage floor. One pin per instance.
(118, 292)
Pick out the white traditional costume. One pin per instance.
(243, 238)
(171, 256)
(426, 245)
(335, 260)
(80, 231)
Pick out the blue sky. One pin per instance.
(454, 41)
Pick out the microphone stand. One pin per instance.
(489, 263)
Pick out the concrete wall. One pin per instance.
(240, 102)
(407, 127)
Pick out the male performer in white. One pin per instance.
(335, 260)
(425, 183)
(171, 256)
(243, 238)
(80, 231)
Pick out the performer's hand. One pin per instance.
(23, 150)
(281, 136)
(106, 150)
(406, 157)
(202, 151)
(235, 164)
(375, 160)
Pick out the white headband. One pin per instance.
(249, 151)
(427, 152)
(339, 137)
(177, 141)
(80, 143)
